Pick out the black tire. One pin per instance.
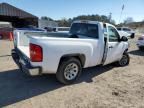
(62, 67)
(141, 48)
(124, 61)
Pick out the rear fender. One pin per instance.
(80, 57)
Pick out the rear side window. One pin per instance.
(126, 29)
(86, 30)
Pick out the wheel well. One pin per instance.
(125, 51)
(80, 57)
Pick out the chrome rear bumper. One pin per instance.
(25, 65)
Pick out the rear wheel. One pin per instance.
(69, 70)
(124, 61)
(141, 48)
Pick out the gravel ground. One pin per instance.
(98, 87)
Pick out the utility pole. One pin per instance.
(123, 6)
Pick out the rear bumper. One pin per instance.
(24, 64)
(28, 69)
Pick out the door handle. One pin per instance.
(110, 46)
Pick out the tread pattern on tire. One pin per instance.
(126, 53)
(63, 64)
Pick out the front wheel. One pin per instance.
(69, 70)
(132, 36)
(124, 61)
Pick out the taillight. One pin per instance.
(140, 38)
(36, 53)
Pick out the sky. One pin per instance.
(58, 9)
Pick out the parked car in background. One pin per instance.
(61, 29)
(140, 42)
(88, 44)
(126, 32)
(49, 29)
(6, 30)
(31, 27)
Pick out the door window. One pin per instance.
(113, 34)
(126, 29)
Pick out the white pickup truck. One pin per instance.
(129, 33)
(88, 44)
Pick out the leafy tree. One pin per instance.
(102, 18)
(128, 20)
(46, 18)
(64, 22)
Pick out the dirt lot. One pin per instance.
(98, 87)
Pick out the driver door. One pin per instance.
(114, 49)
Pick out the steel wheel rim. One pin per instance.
(71, 71)
(124, 60)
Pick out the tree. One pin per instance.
(104, 18)
(64, 22)
(96, 17)
(67, 22)
(46, 18)
(113, 22)
(128, 20)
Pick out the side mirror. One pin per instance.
(124, 39)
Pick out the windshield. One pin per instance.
(88, 30)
